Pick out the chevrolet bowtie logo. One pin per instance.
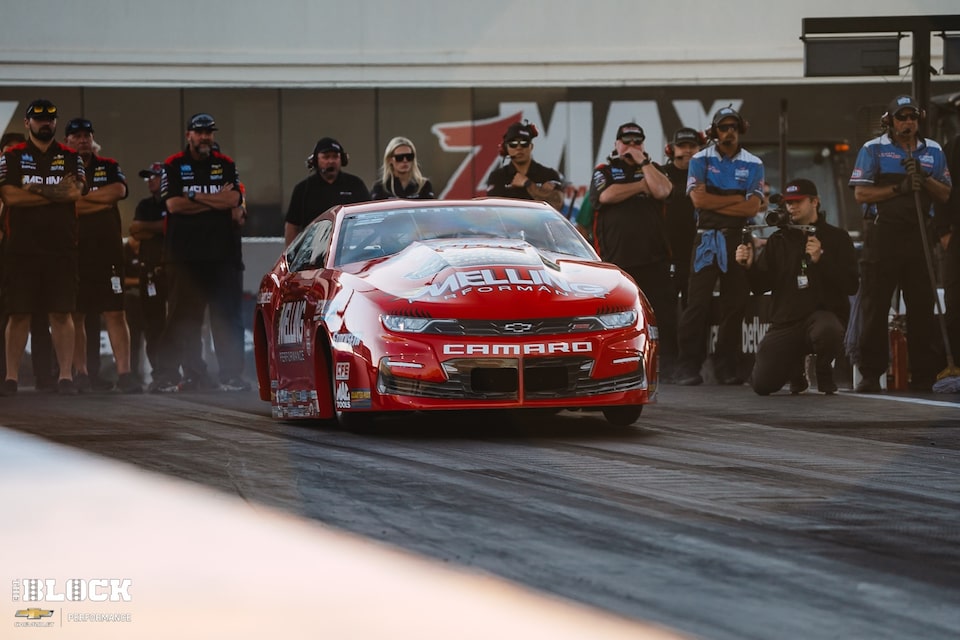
(34, 613)
(518, 327)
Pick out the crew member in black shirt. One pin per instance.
(202, 254)
(40, 183)
(811, 274)
(147, 227)
(629, 230)
(327, 186)
(523, 177)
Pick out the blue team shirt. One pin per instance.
(879, 163)
(742, 174)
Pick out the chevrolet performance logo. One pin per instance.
(518, 327)
(33, 613)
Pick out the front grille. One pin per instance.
(499, 379)
(539, 326)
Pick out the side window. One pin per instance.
(320, 245)
(311, 248)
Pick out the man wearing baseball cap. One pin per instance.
(326, 186)
(523, 177)
(890, 172)
(725, 183)
(40, 183)
(627, 194)
(147, 228)
(200, 188)
(681, 220)
(101, 260)
(811, 269)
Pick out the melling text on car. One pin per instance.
(429, 305)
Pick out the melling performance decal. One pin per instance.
(500, 279)
(290, 331)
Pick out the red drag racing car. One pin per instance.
(407, 305)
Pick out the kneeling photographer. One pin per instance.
(811, 269)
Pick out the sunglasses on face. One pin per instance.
(632, 141)
(523, 144)
(726, 127)
(403, 157)
(39, 110)
(913, 115)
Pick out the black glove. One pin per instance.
(916, 181)
(910, 164)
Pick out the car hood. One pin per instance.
(491, 278)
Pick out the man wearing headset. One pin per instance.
(524, 177)
(326, 186)
(889, 172)
(725, 183)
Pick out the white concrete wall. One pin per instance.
(315, 43)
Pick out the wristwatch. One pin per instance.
(191, 195)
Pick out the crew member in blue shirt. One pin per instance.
(888, 172)
(725, 182)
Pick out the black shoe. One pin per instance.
(688, 381)
(66, 387)
(799, 384)
(733, 381)
(164, 386)
(825, 383)
(868, 385)
(81, 383)
(128, 383)
(8, 388)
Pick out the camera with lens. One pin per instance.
(778, 216)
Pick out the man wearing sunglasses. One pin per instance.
(890, 170)
(628, 194)
(40, 183)
(524, 177)
(725, 183)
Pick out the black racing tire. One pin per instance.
(624, 415)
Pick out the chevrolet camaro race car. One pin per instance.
(407, 305)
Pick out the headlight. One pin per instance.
(619, 320)
(406, 323)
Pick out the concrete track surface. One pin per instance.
(719, 514)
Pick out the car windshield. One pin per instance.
(364, 236)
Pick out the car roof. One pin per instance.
(396, 204)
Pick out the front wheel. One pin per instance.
(623, 416)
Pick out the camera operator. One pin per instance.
(811, 269)
(889, 172)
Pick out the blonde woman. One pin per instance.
(400, 176)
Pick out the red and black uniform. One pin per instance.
(204, 263)
(100, 245)
(40, 252)
(632, 234)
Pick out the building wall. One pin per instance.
(416, 43)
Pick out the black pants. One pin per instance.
(780, 354)
(153, 309)
(193, 287)
(951, 293)
(695, 322)
(655, 283)
(893, 256)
